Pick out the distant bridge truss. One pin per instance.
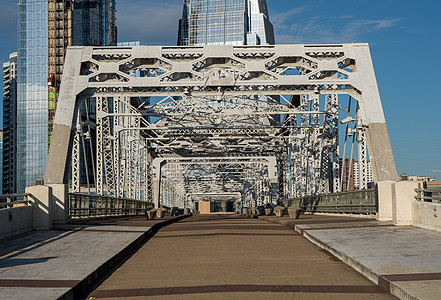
(252, 123)
(186, 180)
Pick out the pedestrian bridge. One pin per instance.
(235, 128)
(249, 125)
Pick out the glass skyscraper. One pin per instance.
(32, 91)
(45, 28)
(225, 22)
(93, 23)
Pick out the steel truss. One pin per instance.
(194, 107)
(184, 182)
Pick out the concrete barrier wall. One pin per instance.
(403, 195)
(396, 203)
(426, 215)
(48, 207)
(42, 212)
(14, 221)
(386, 191)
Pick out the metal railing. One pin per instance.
(12, 200)
(428, 194)
(353, 202)
(85, 206)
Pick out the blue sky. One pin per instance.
(404, 35)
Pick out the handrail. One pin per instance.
(8, 203)
(87, 206)
(351, 202)
(432, 194)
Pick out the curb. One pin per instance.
(381, 281)
(357, 266)
(78, 290)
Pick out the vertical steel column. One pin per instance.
(314, 144)
(335, 147)
(299, 150)
(117, 109)
(362, 156)
(149, 174)
(107, 145)
(123, 157)
(136, 158)
(99, 146)
(76, 157)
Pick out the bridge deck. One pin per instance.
(229, 257)
(224, 256)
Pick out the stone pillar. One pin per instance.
(60, 203)
(403, 196)
(385, 200)
(41, 195)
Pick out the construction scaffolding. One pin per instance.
(59, 37)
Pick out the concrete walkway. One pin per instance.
(60, 263)
(233, 257)
(401, 259)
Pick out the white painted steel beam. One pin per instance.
(223, 101)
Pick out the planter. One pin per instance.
(174, 212)
(279, 211)
(150, 214)
(160, 213)
(294, 212)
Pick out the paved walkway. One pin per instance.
(59, 263)
(232, 257)
(404, 260)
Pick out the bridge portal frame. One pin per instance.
(253, 70)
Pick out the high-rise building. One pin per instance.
(75, 23)
(350, 175)
(369, 175)
(1, 159)
(356, 175)
(229, 22)
(9, 161)
(32, 91)
(347, 174)
(93, 23)
(45, 28)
